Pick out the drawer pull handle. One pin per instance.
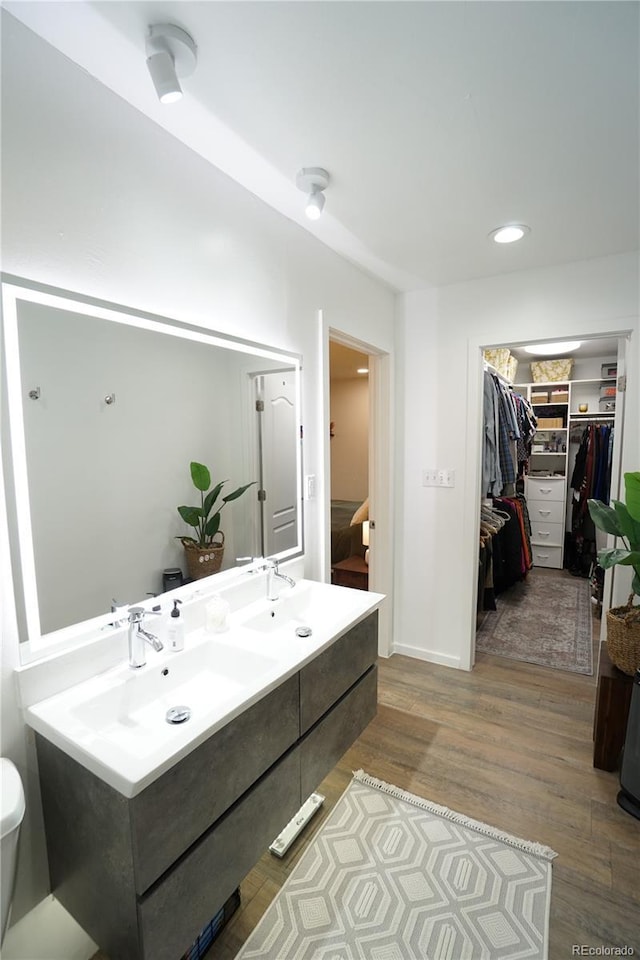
(544, 513)
(544, 533)
(545, 489)
(543, 556)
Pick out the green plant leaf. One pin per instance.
(630, 527)
(238, 493)
(612, 557)
(212, 526)
(632, 493)
(211, 498)
(200, 476)
(190, 515)
(604, 517)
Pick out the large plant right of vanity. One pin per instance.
(622, 520)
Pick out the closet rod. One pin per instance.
(496, 373)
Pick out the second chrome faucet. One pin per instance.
(273, 575)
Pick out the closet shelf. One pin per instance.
(591, 416)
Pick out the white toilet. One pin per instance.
(12, 812)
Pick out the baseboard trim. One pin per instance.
(430, 656)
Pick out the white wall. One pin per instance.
(350, 443)
(439, 424)
(99, 200)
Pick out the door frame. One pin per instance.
(473, 483)
(380, 474)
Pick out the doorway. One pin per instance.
(349, 406)
(559, 545)
(380, 507)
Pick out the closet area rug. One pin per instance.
(545, 619)
(391, 876)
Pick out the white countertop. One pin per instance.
(114, 723)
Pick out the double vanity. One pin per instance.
(151, 825)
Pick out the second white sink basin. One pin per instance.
(309, 604)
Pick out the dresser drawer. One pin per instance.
(546, 488)
(547, 533)
(189, 894)
(546, 511)
(329, 676)
(544, 556)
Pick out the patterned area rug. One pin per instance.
(391, 876)
(545, 619)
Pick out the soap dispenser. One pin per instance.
(175, 632)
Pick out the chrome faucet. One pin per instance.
(273, 573)
(138, 637)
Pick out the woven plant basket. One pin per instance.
(623, 637)
(203, 561)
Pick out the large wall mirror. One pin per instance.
(104, 409)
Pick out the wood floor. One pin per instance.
(510, 744)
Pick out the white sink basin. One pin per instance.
(199, 679)
(316, 606)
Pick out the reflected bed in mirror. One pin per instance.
(107, 407)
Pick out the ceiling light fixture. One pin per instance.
(313, 181)
(171, 53)
(559, 347)
(510, 232)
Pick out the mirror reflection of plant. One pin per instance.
(623, 521)
(205, 519)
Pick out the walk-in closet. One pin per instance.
(551, 442)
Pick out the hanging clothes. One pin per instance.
(590, 480)
(509, 427)
(513, 557)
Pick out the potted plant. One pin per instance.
(623, 521)
(205, 549)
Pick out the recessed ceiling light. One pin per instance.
(510, 232)
(547, 349)
(362, 370)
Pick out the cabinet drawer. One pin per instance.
(546, 488)
(176, 909)
(196, 792)
(325, 679)
(546, 511)
(323, 746)
(547, 556)
(547, 533)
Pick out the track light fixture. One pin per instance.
(171, 53)
(313, 181)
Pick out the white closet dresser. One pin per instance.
(546, 498)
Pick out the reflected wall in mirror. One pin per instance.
(107, 409)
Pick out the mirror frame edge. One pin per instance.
(33, 645)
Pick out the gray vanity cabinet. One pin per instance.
(144, 875)
(332, 673)
(202, 786)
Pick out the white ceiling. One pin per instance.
(437, 121)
